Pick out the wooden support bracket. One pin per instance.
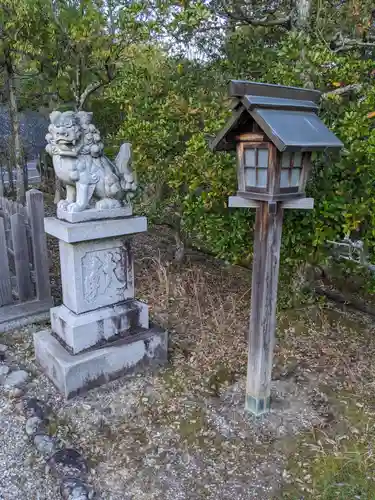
(299, 203)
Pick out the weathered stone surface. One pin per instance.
(3, 349)
(33, 425)
(36, 408)
(16, 393)
(68, 462)
(78, 494)
(75, 374)
(94, 214)
(74, 488)
(19, 407)
(20, 309)
(16, 379)
(4, 370)
(45, 444)
(96, 274)
(94, 230)
(82, 331)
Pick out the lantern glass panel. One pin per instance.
(291, 168)
(297, 160)
(261, 178)
(296, 172)
(250, 176)
(255, 166)
(250, 157)
(285, 160)
(284, 178)
(262, 158)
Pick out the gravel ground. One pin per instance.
(154, 436)
(22, 475)
(22, 469)
(182, 433)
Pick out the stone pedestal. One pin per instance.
(100, 332)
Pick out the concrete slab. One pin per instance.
(94, 230)
(24, 313)
(94, 214)
(74, 375)
(79, 332)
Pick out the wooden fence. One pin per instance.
(8, 175)
(24, 278)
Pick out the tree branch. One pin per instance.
(61, 28)
(25, 76)
(341, 44)
(266, 21)
(92, 87)
(77, 90)
(353, 44)
(354, 87)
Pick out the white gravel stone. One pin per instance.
(19, 407)
(33, 425)
(78, 494)
(17, 378)
(22, 477)
(16, 393)
(3, 349)
(44, 444)
(4, 370)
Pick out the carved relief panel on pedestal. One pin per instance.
(107, 275)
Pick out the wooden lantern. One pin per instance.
(274, 129)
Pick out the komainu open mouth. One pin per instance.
(65, 142)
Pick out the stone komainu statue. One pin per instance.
(91, 179)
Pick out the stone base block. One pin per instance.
(79, 332)
(74, 375)
(96, 274)
(94, 230)
(94, 214)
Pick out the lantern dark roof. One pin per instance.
(240, 88)
(287, 115)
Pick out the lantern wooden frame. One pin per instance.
(273, 190)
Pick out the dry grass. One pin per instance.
(205, 307)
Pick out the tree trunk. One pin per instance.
(10, 173)
(2, 190)
(111, 17)
(179, 254)
(302, 14)
(301, 22)
(25, 175)
(16, 153)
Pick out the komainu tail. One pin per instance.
(123, 159)
(124, 168)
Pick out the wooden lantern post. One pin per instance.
(274, 130)
(266, 260)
